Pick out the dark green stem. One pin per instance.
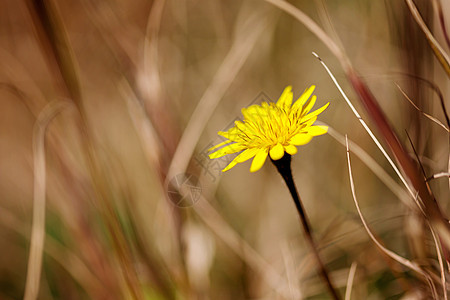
(284, 168)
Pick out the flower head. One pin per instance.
(271, 129)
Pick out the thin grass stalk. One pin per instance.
(413, 266)
(369, 131)
(437, 90)
(283, 166)
(154, 152)
(440, 13)
(153, 264)
(364, 124)
(438, 51)
(118, 238)
(152, 95)
(67, 259)
(238, 245)
(247, 36)
(291, 274)
(392, 185)
(441, 262)
(53, 40)
(430, 117)
(84, 235)
(430, 206)
(314, 28)
(351, 277)
(372, 164)
(152, 119)
(438, 175)
(436, 240)
(327, 22)
(39, 195)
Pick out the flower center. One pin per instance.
(269, 126)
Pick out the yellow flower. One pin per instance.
(271, 129)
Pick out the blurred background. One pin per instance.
(108, 108)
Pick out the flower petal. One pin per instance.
(310, 105)
(259, 160)
(300, 139)
(244, 156)
(315, 113)
(252, 112)
(233, 148)
(291, 149)
(286, 97)
(317, 130)
(277, 152)
(232, 134)
(219, 145)
(303, 98)
(230, 165)
(308, 123)
(240, 125)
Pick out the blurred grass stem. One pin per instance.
(38, 228)
(438, 51)
(410, 264)
(368, 130)
(284, 168)
(51, 34)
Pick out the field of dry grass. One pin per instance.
(108, 109)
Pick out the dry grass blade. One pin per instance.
(246, 38)
(368, 130)
(435, 120)
(68, 260)
(144, 128)
(439, 175)
(435, 239)
(51, 34)
(54, 42)
(351, 277)
(291, 273)
(313, 27)
(425, 201)
(440, 54)
(441, 262)
(407, 263)
(213, 219)
(148, 139)
(438, 7)
(438, 92)
(374, 167)
(151, 49)
(17, 72)
(327, 23)
(39, 194)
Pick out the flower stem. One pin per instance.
(284, 168)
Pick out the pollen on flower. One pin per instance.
(271, 129)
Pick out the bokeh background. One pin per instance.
(123, 96)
